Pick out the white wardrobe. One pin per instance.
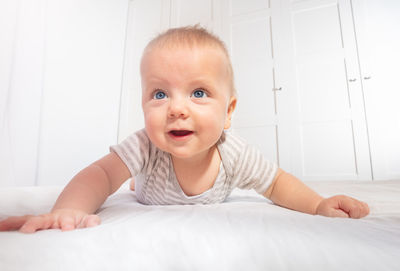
(315, 79)
(340, 58)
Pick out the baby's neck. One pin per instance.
(197, 160)
(197, 174)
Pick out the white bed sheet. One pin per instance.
(246, 232)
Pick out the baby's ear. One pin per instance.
(231, 108)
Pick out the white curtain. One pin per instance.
(22, 28)
(60, 79)
(8, 19)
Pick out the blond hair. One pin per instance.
(192, 36)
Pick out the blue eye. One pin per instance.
(199, 93)
(159, 95)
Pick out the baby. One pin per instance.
(184, 155)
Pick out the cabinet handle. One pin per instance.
(277, 89)
(352, 80)
(367, 77)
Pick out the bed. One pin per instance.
(247, 232)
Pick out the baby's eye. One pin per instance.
(199, 93)
(159, 95)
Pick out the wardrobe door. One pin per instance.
(377, 25)
(247, 33)
(319, 68)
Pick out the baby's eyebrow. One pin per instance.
(202, 82)
(153, 83)
(154, 80)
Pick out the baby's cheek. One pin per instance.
(213, 125)
(153, 126)
(156, 136)
(153, 119)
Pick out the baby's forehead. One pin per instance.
(166, 49)
(159, 56)
(186, 59)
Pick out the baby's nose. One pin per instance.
(178, 108)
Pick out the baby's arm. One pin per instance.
(288, 191)
(84, 194)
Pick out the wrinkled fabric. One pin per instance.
(246, 232)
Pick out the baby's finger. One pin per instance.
(90, 221)
(37, 223)
(66, 223)
(13, 223)
(338, 213)
(354, 212)
(363, 209)
(355, 208)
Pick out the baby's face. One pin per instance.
(186, 99)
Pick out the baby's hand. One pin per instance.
(64, 219)
(342, 206)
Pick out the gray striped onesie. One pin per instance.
(242, 166)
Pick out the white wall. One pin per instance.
(60, 81)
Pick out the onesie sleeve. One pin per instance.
(253, 171)
(134, 151)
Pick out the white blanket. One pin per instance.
(246, 232)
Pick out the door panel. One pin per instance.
(249, 39)
(316, 29)
(378, 24)
(328, 132)
(332, 151)
(252, 62)
(242, 7)
(323, 88)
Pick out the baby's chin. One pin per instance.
(180, 154)
(192, 155)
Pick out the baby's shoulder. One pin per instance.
(231, 142)
(231, 148)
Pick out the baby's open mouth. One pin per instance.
(181, 132)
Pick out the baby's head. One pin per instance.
(192, 37)
(188, 94)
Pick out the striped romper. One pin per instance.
(242, 166)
